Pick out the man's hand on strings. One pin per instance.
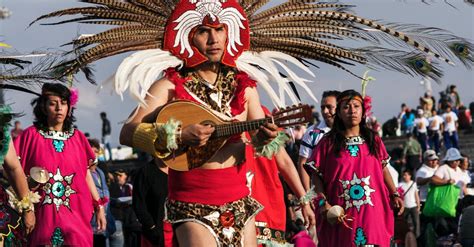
(267, 132)
(196, 134)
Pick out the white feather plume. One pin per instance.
(262, 80)
(140, 70)
(270, 64)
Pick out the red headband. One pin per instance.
(348, 98)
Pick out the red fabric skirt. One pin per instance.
(208, 186)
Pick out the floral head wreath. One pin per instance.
(267, 44)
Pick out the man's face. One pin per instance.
(328, 109)
(121, 178)
(210, 41)
(432, 163)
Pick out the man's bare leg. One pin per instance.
(191, 234)
(250, 233)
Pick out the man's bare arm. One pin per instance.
(290, 175)
(159, 94)
(255, 111)
(305, 180)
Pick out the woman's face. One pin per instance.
(455, 163)
(464, 164)
(56, 110)
(350, 113)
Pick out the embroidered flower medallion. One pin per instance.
(357, 192)
(58, 190)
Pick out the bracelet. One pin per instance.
(395, 194)
(26, 204)
(307, 198)
(100, 203)
(269, 149)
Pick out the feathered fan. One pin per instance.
(293, 32)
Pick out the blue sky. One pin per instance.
(388, 92)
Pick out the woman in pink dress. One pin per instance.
(350, 164)
(63, 215)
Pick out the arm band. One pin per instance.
(157, 139)
(26, 203)
(269, 149)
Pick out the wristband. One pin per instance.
(100, 203)
(395, 194)
(307, 198)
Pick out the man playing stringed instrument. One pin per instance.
(209, 204)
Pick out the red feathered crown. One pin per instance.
(190, 14)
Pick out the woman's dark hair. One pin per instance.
(333, 93)
(39, 106)
(94, 143)
(338, 128)
(409, 172)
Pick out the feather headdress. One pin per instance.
(281, 37)
(25, 72)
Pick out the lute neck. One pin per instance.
(230, 129)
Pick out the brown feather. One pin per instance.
(121, 37)
(113, 23)
(124, 6)
(298, 53)
(254, 6)
(309, 15)
(123, 31)
(314, 23)
(291, 6)
(302, 32)
(335, 52)
(104, 13)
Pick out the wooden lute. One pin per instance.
(188, 112)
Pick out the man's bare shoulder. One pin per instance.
(163, 82)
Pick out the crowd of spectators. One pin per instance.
(436, 125)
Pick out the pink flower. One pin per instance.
(368, 105)
(74, 98)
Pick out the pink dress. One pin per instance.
(354, 180)
(63, 215)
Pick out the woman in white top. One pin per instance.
(421, 124)
(450, 173)
(450, 134)
(434, 131)
(411, 201)
(466, 176)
